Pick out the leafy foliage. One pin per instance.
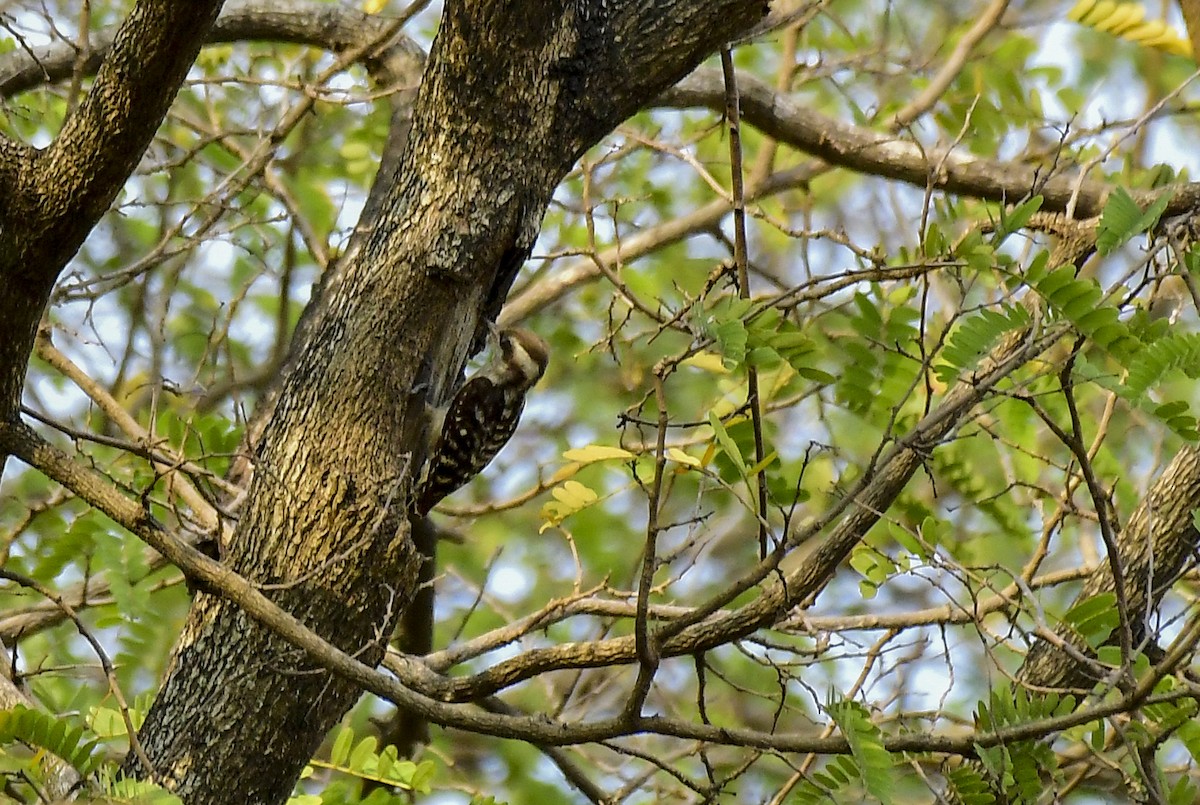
(361, 760)
(1173, 351)
(1019, 767)
(1095, 619)
(1122, 219)
(1127, 20)
(836, 779)
(875, 295)
(142, 792)
(58, 735)
(866, 745)
(976, 336)
(969, 787)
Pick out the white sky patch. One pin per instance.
(509, 582)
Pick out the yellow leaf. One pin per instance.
(680, 457)
(1080, 10)
(596, 452)
(568, 499)
(770, 383)
(762, 465)
(1123, 17)
(575, 494)
(708, 361)
(1151, 30)
(1099, 12)
(552, 515)
(1169, 41)
(564, 472)
(374, 6)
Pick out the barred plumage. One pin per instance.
(483, 414)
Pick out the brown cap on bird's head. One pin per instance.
(524, 354)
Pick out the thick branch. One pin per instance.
(306, 22)
(54, 197)
(1153, 548)
(790, 121)
(73, 181)
(22, 442)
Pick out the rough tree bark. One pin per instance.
(323, 529)
(1154, 547)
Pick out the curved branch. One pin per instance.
(302, 22)
(72, 182)
(937, 85)
(789, 121)
(90, 484)
(563, 280)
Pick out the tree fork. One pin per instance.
(324, 529)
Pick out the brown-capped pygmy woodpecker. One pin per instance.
(483, 414)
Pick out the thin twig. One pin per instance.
(1074, 443)
(204, 512)
(105, 664)
(646, 643)
(1103, 509)
(733, 117)
(987, 21)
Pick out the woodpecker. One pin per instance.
(483, 414)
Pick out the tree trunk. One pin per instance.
(513, 94)
(54, 196)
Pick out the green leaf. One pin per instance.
(727, 444)
(363, 754)
(815, 375)
(731, 338)
(1037, 268)
(970, 786)
(1188, 732)
(1016, 218)
(820, 787)
(1122, 219)
(976, 336)
(934, 243)
(1095, 618)
(422, 777)
(1173, 351)
(386, 760)
(142, 792)
(906, 540)
(53, 733)
(1117, 221)
(767, 461)
(866, 745)
(1183, 792)
(340, 753)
